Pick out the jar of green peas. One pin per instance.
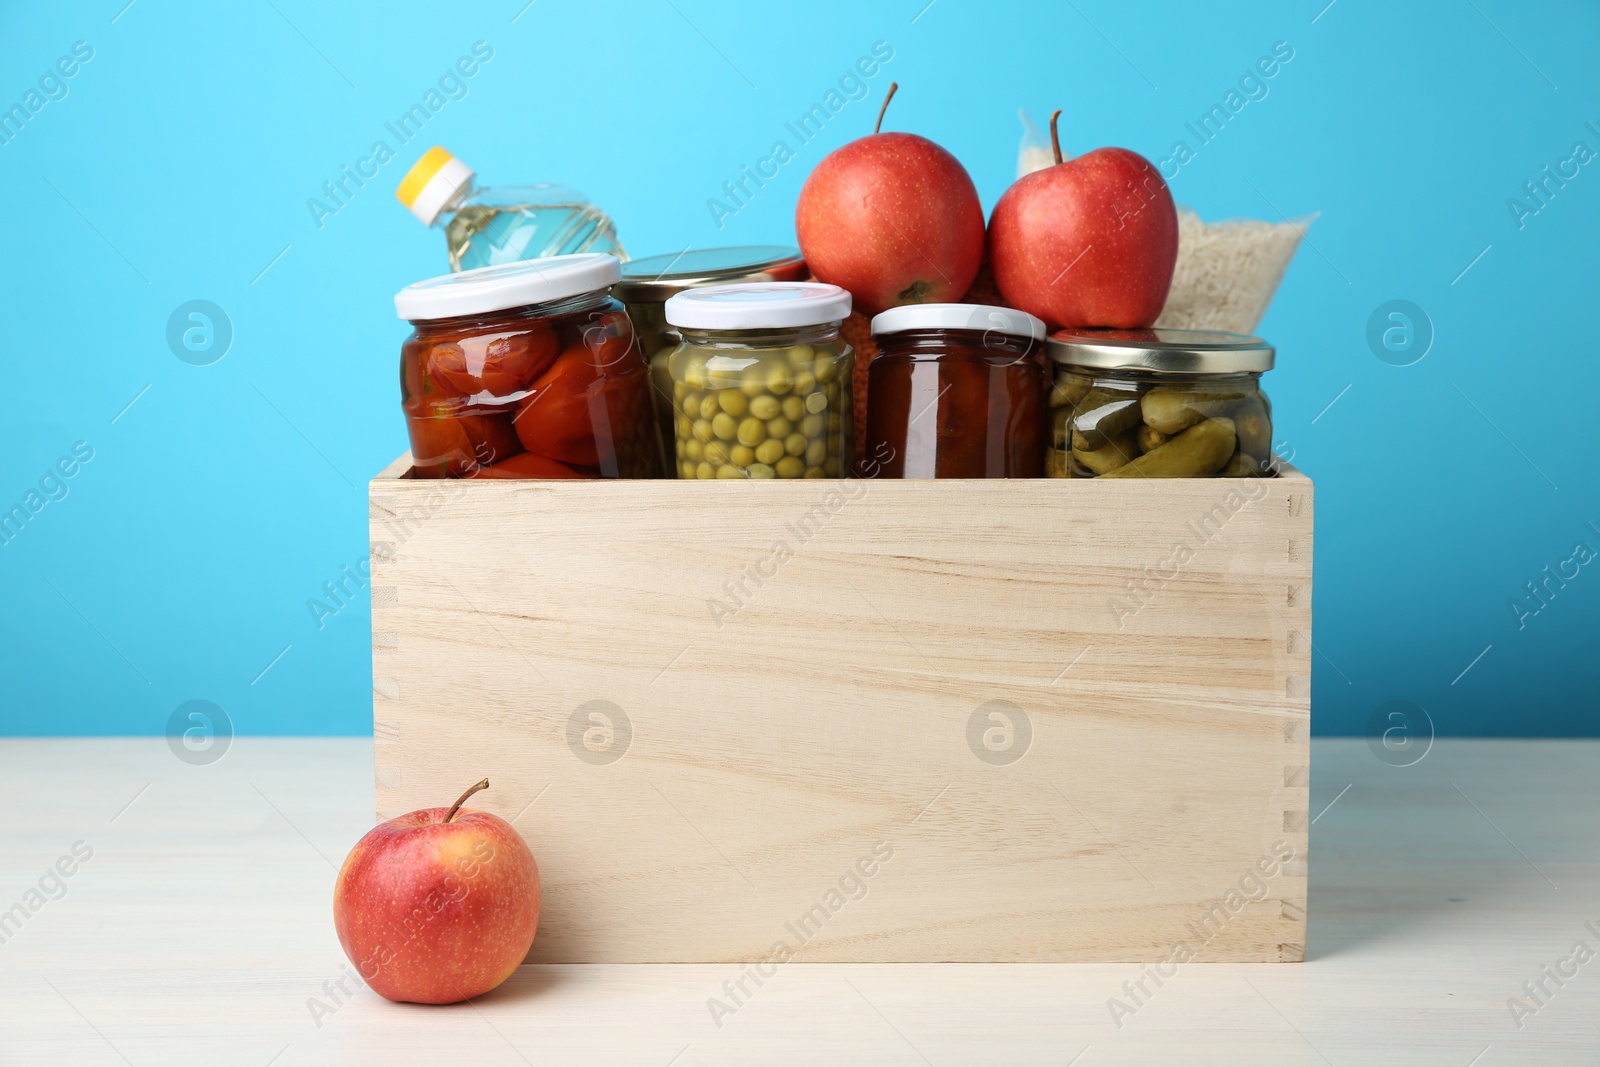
(761, 381)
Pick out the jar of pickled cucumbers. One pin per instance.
(761, 381)
(1158, 404)
(647, 284)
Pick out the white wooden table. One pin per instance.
(199, 931)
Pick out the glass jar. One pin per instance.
(957, 392)
(525, 370)
(647, 284)
(1158, 404)
(761, 381)
(503, 224)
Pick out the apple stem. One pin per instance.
(888, 97)
(1055, 136)
(457, 805)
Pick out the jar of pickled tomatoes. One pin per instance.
(525, 370)
(958, 391)
(761, 381)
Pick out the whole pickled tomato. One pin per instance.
(445, 446)
(609, 339)
(529, 465)
(556, 419)
(499, 366)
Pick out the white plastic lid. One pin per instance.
(980, 317)
(507, 285)
(758, 306)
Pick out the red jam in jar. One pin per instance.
(526, 370)
(958, 392)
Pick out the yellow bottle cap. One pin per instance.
(431, 183)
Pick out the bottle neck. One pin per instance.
(457, 201)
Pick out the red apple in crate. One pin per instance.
(439, 905)
(1090, 241)
(893, 218)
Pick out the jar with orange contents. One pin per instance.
(526, 370)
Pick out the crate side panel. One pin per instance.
(878, 721)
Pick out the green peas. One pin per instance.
(769, 451)
(752, 431)
(751, 412)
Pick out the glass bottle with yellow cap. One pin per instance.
(488, 226)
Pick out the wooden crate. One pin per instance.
(863, 721)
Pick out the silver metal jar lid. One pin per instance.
(654, 279)
(1161, 351)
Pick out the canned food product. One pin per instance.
(761, 381)
(647, 284)
(1158, 403)
(533, 358)
(957, 392)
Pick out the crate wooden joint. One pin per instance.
(1043, 720)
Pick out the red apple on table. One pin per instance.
(893, 218)
(1091, 241)
(439, 905)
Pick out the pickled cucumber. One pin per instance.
(1242, 465)
(1059, 420)
(1170, 409)
(1149, 437)
(1056, 464)
(1113, 454)
(1102, 415)
(1254, 429)
(1198, 452)
(1068, 389)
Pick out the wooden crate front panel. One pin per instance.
(800, 768)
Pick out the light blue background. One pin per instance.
(180, 163)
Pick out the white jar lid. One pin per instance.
(758, 306)
(507, 285)
(979, 317)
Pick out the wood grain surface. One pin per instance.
(200, 933)
(863, 721)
